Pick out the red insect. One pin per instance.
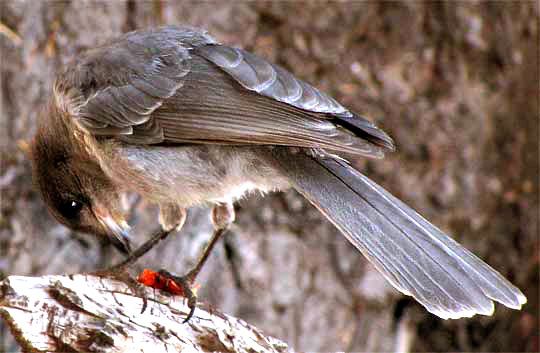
(172, 284)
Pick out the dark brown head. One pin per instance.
(74, 187)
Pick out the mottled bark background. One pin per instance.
(456, 85)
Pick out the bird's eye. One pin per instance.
(70, 208)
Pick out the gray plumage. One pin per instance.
(183, 120)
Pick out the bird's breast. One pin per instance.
(192, 174)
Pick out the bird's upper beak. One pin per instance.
(118, 231)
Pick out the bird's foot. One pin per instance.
(172, 284)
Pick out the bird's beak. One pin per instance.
(118, 232)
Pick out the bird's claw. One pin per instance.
(186, 283)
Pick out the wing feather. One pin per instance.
(258, 75)
(176, 85)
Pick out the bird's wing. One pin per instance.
(176, 85)
(114, 89)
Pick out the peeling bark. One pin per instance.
(81, 313)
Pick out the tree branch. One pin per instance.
(89, 313)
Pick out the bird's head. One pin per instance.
(73, 185)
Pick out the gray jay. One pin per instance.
(183, 120)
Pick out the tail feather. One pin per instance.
(414, 255)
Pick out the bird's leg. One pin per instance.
(119, 271)
(171, 218)
(222, 217)
(140, 251)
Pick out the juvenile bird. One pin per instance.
(183, 120)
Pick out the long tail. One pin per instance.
(414, 255)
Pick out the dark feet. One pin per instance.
(180, 285)
(171, 284)
(119, 271)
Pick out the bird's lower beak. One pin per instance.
(118, 232)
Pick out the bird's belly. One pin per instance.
(194, 174)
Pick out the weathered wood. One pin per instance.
(83, 313)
